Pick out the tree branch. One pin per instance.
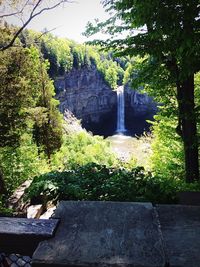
(10, 15)
(32, 15)
(15, 13)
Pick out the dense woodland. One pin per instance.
(36, 141)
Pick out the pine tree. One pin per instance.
(48, 122)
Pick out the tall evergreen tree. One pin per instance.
(48, 120)
(26, 103)
(18, 92)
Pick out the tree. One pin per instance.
(26, 104)
(168, 31)
(18, 95)
(18, 92)
(47, 120)
(26, 10)
(2, 184)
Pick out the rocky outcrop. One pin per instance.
(139, 107)
(138, 104)
(85, 93)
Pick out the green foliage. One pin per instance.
(26, 101)
(56, 50)
(47, 129)
(197, 97)
(173, 49)
(167, 159)
(175, 36)
(98, 182)
(82, 148)
(21, 163)
(18, 92)
(32, 141)
(3, 210)
(79, 53)
(31, 125)
(63, 55)
(111, 71)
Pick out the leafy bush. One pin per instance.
(81, 148)
(21, 163)
(167, 159)
(98, 182)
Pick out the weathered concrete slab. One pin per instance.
(21, 235)
(103, 234)
(180, 226)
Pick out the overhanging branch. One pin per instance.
(34, 13)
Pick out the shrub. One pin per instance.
(81, 148)
(98, 182)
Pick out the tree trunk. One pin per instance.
(189, 128)
(2, 184)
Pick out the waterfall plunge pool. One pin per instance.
(128, 147)
(123, 144)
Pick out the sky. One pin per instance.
(70, 21)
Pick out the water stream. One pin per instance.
(124, 145)
(120, 111)
(121, 142)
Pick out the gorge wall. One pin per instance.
(138, 108)
(85, 93)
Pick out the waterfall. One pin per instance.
(120, 110)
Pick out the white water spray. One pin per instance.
(120, 110)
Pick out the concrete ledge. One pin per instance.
(103, 234)
(120, 234)
(21, 235)
(180, 227)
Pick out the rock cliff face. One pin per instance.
(85, 93)
(138, 108)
